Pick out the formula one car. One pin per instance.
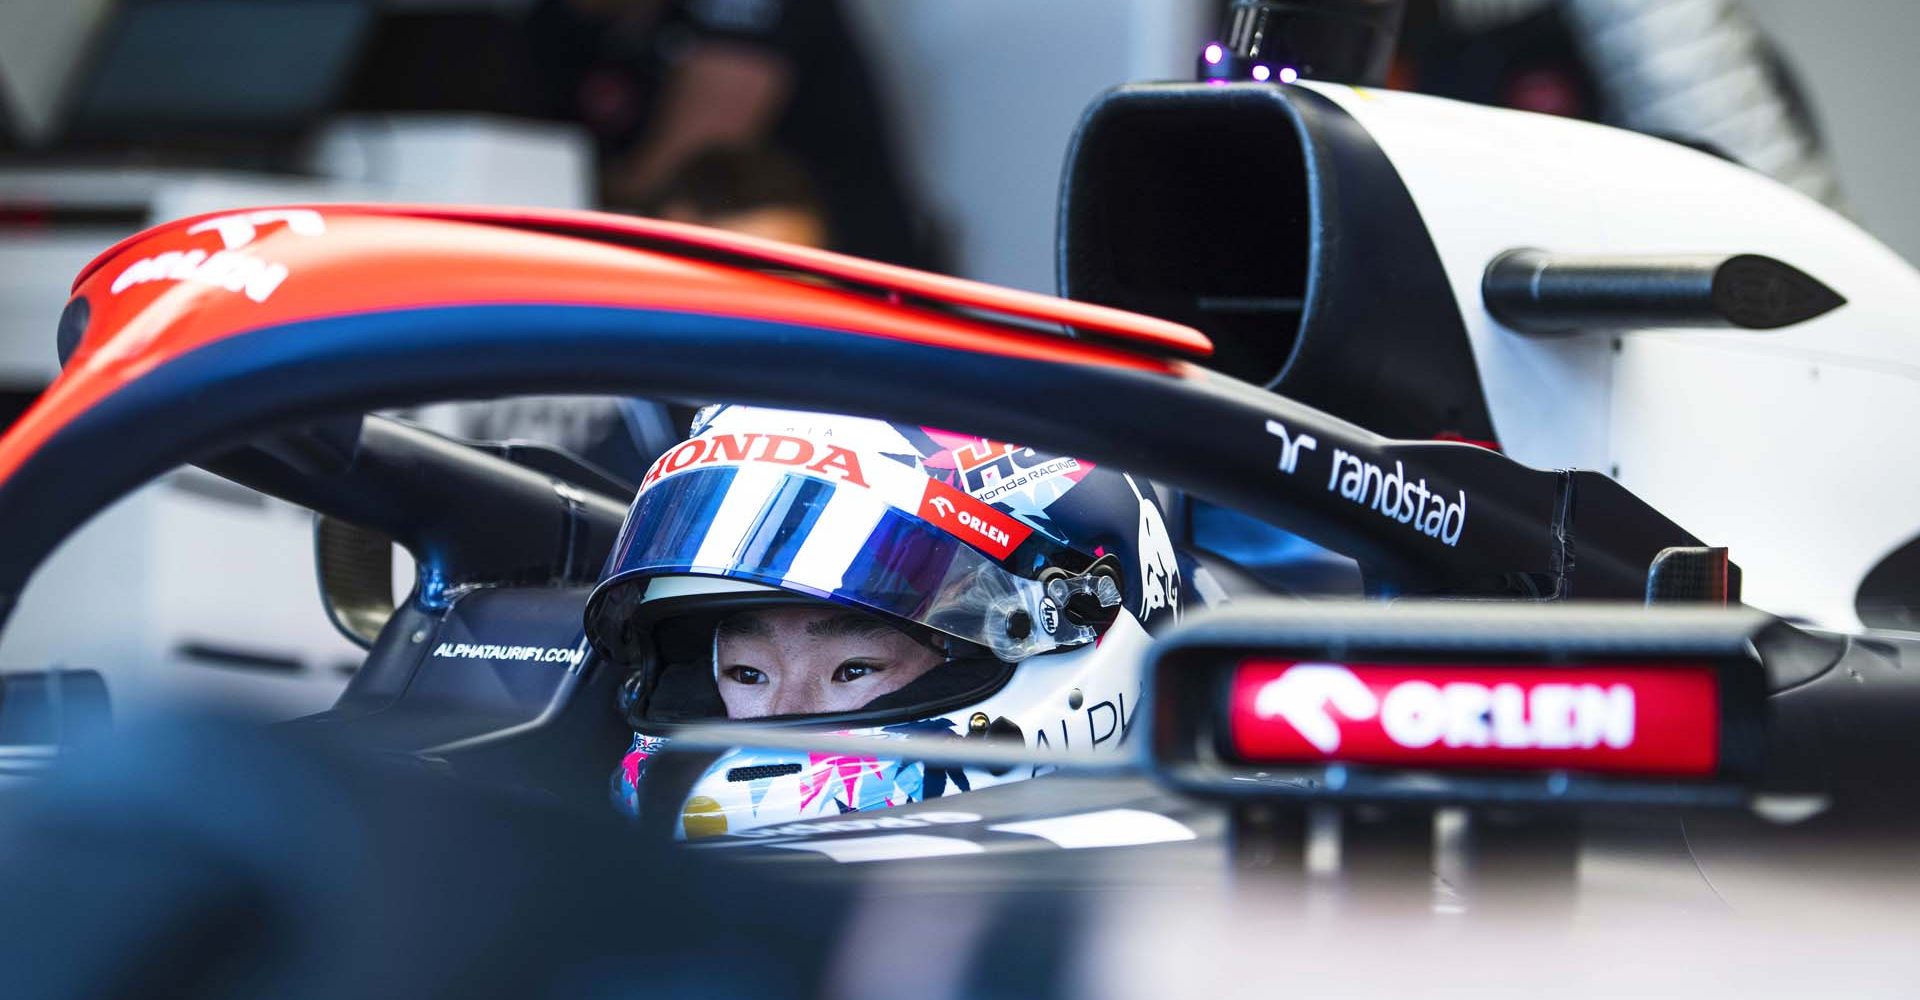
(1320, 319)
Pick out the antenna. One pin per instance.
(1281, 41)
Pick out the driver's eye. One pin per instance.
(744, 675)
(853, 670)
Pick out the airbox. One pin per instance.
(1266, 217)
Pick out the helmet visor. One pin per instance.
(838, 542)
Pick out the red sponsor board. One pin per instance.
(1619, 718)
(971, 521)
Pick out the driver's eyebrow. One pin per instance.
(744, 626)
(852, 624)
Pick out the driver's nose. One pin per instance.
(797, 687)
(793, 698)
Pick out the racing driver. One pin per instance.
(878, 579)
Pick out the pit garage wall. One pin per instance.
(1855, 60)
(189, 591)
(986, 93)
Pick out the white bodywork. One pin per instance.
(1791, 447)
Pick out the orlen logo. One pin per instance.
(968, 519)
(829, 461)
(1628, 718)
(229, 267)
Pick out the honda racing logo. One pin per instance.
(1631, 718)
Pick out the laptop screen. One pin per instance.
(240, 68)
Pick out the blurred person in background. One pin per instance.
(751, 190)
(1698, 72)
(756, 116)
(659, 82)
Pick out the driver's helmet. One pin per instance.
(875, 579)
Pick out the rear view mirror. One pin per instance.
(356, 577)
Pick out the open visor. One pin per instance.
(838, 542)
